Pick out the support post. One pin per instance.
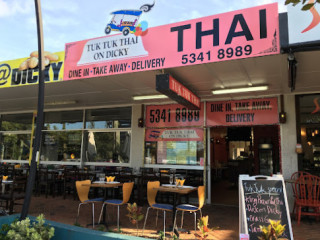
(39, 124)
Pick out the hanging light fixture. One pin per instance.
(239, 90)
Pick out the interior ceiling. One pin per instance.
(119, 89)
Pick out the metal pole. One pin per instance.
(39, 124)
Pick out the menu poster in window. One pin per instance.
(173, 115)
(49, 140)
(161, 151)
(182, 150)
(171, 152)
(263, 199)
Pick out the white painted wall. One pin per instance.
(288, 144)
(137, 138)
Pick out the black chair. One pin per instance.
(16, 192)
(46, 181)
(69, 182)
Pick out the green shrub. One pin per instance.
(27, 230)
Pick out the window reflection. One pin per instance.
(108, 118)
(16, 122)
(61, 146)
(108, 146)
(63, 136)
(68, 120)
(14, 146)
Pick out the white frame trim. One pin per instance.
(193, 167)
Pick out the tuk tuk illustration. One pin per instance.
(126, 21)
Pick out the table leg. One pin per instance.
(105, 208)
(174, 229)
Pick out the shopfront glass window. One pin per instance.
(174, 146)
(16, 122)
(61, 146)
(64, 120)
(308, 122)
(108, 146)
(108, 118)
(14, 146)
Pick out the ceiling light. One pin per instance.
(238, 90)
(54, 103)
(146, 97)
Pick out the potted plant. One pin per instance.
(273, 231)
(203, 228)
(134, 214)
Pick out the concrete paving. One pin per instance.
(223, 220)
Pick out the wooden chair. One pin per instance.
(294, 177)
(126, 193)
(83, 194)
(152, 193)
(191, 208)
(307, 190)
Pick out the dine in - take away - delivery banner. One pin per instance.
(247, 112)
(251, 32)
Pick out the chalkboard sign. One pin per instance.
(263, 199)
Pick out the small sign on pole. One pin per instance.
(244, 236)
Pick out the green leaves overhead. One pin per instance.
(306, 5)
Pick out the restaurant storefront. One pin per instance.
(92, 119)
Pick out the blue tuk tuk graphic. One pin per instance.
(126, 21)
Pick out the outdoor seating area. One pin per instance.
(102, 194)
(100, 187)
(223, 220)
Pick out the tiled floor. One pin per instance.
(222, 219)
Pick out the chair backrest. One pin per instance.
(298, 174)
(307, 189)
(201, 196)
(18, 188)
(83, 191)
(295, 176)
(126, 191)
(152, 192)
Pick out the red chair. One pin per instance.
(307, 189)
(294, 177)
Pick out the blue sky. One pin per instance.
(73, 20)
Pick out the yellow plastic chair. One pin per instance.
(151, 194)
(191, 208)
(83, 193)
(126, 193)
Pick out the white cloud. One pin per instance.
(58, 6)
(4, 9)
(49, 20)
(13, 7)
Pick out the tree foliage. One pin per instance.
(306, 5)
